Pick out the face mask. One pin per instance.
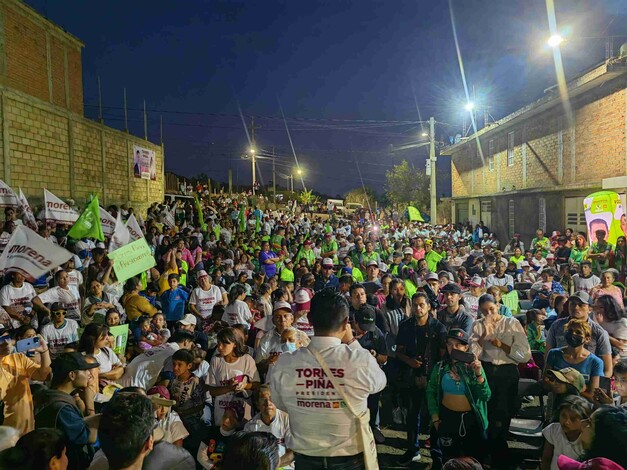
(573, 341)
(288, 347)
(227, 433)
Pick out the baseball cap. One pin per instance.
(160, 395)
(365, 318)
(524, 264)
(71, 361)
(408, 251)
(458, 334)
(327, 262)
(328, 234)
(287, 261)
(476, 281)
(597, 463)
(383, 267)
(307, 242)
(281, 305)
(58, 306)
(347, 270)
(188, 319)
(582, 296)
(570, 376)
(398, 254)
(373, 262)
(550, 256)
(301, 296)
(432, 277)
(447, 274)
(201, 273)
(452, 287)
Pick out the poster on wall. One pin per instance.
(604, 211)
(144, 163)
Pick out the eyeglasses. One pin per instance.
(58, 312)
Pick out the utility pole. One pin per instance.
(273, 177)
(433, 159)
(125, 113)
(145, 122)
(100, 118)
(254, 151)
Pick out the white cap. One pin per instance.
(201, 273)
(301, 296)
(188, 319)
(432, 277)
(524, 264)
(408, 251)
(282, 305)
(373, 262)
(550, 256)
(327, 262)
(383, 267)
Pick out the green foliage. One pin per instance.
(407, 186)
(366, 199)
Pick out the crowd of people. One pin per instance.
(282, 338)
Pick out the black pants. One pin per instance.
(373, 406)
(503, 405)
(414, 397)
(458, 435)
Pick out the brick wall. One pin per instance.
(49, 147)
(549, 153)
(33, 51)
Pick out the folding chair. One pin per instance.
(526, 427)
(525, 305)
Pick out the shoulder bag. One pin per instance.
(364, 432)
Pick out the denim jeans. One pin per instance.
(353, 462)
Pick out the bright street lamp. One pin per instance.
(469, 106)
(252, 150)
(425, 134)
(555, 40)
(299, 172)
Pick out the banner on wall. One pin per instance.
(144, 163)
(604, 211)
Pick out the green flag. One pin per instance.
(201, 217)
(216, 229)
(242, 219)
(413, 214)
(88, 224)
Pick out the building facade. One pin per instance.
(534, 167)
(46, 142)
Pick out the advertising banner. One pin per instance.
(57, 210)
(144, 163)
(604, 211)
(8, 198)
(133, 228)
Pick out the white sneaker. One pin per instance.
(416, 458)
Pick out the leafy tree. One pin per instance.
(406, 186)
(366, 199)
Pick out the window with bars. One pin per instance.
(510, 148)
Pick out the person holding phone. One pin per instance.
(15, 372)
(501, 344)
(457, 399)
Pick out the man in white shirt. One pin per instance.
(300, 387)
(15, 297)
(503, 281)
(204, 297)
(60, 331)
(144, 370)
(61, 293)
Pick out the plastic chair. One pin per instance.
(525, 305)
(526, 426)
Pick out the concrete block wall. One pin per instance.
(49, 147)
(548, 150)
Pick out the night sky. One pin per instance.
(348, 73)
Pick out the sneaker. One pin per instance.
(408, 457)
(379, 438)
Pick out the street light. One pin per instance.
(424, 134)
(555, 40)
(469, 106)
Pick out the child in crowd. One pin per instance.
(173, 301)
(159, 326)
(536, 335)
(563, 437)
(562, 384)
(212, 447)
(144, 337)
(189, 393)
(601, 396)
(167, 419)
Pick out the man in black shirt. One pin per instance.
(419, 345)
(372, 339)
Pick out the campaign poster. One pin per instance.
(144, 164)
(604, 211)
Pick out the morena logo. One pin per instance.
(57, 205)
(39, 258)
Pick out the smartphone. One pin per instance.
(462, 356)
(4, 338)
(27, 344)
(605, 384)
(239, 379)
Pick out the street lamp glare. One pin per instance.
(425, 134)
(252, 150)
(299, 171)
(469, 106)
(555, 40)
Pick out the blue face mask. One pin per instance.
(288, 347)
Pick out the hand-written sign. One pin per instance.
(132, 259)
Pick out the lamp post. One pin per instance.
(254, 162)
(433, 160)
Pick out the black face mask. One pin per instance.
(573, 341)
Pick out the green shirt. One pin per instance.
(331, 246)
(357, 275)
(600, 264)
(433, 258)
(287, 275)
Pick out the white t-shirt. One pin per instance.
(65, 296)
(237, 312)
(17, 297)
(173, 427)
(555, 436)
(585, 283)
(75, 279)
(279, 428)
(220, 373)
(205, 300)
(57, 338)
(107, 359)
(143, 371)
(617, 329)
